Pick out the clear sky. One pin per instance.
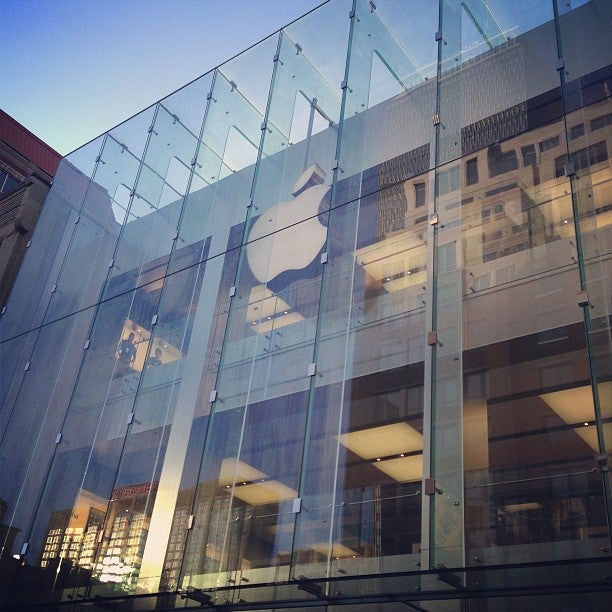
(72, 69)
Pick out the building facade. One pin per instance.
(27, 166)
(329, 326)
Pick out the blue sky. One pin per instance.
(72, 69)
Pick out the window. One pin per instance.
(576, 131)
(7, 182)
(600, 122)
(498, 210)
(419, 194)
(529, 156)
(582, 158)
(448, 180)
(471, 171)
(549, 143)
(501, 162)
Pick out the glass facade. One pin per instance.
(331, 325)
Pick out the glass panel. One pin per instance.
(203, 334)
(586, 80)
(133, 133)
(148, 235)
(30, 436)
(32, 290)
(390, 76)
(93, 240)
(303, 114)
(216, 205)
(188, 104)
(508, 348)
(244, 502)
(80, 480)
(361, 479)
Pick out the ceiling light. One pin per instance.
(383, 441)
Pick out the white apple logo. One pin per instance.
(281, 239)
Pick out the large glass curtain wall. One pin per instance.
(339, 308)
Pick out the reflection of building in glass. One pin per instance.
(120, 554)
(73, 535)
(342, 339)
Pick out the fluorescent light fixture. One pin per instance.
(575, 406)
(338, 551)
(258, 488)
(268, 492)
(522, 507)
(377, 443)
(267, 311)
(402, 469)
(383, 441)
(233, 470)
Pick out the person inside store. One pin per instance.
(155, 360)
(126, 354)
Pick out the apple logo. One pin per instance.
(289, 235)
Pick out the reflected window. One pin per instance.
(576, 131)
(448, 180)
(500, 161)
(601, 122)
(583, 158)
(548, 143)
(419, 194)
(529, 156)
(471, 171)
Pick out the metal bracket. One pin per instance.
(582, 299)
(213, 396)
(312, 369)
(432, 338)
(438, 36)
(232, 291)
(197, 595)
(154, 320)
(431, 488)
(560, 64)
(436, 119)
(601, 463)
(433, 220)
(324, 258)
